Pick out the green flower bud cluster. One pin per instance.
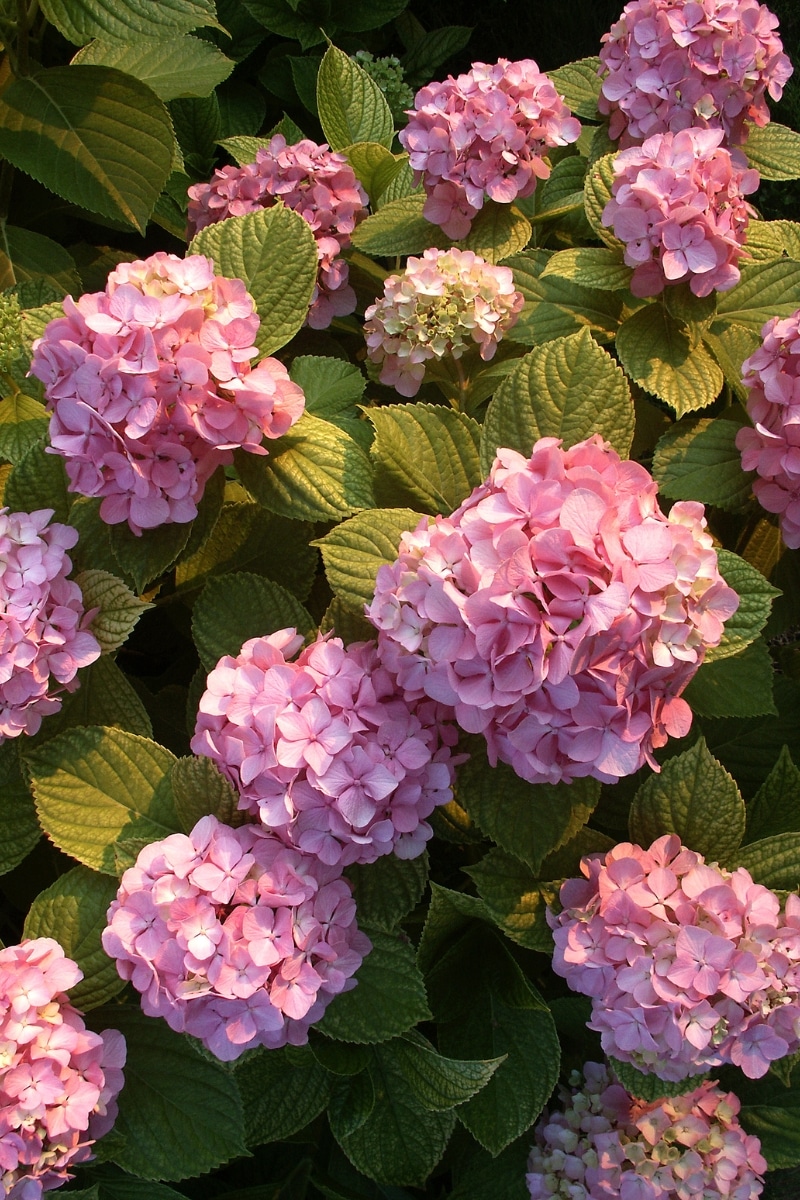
(388, 74)
(10, 330)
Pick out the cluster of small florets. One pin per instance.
(558, 611)
(10, 330)
(484, 134)
(58, 1081)
(233, 937)
(673, 64)
(678, 205)
(151, 387)
(323, 750)
(313, 181)
(43, 635)
(444, 303)
(689, 966)
(772, 447)
(603, 1143)
(387, 72)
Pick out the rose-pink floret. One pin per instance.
(44, 635)
(603, 1144)
(312, 180)
(444, 303)
(324, 751)
(678, 204)
(689, 966)
(557, 612)
(151, 387)
(484, 134)
(673, 64)
(772, 446)
(233, 937)
(58, 1081)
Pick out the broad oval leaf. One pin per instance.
(352, 108)
(498, 231)
(389, 997)
(119, 608)
(176, 66)
(739, 685)
(437, 1082)
(398, 227)
(755, 601)
(240, 606)
(579, 84)
(766, 290)
(700, 461)
(386, 891)
(425, 456)
(125, 20)
(27, 255)
(354, 551)
(282, 1092)
(23, 423)
(19, 827)
(773, 861)
(658, 354)
(774, 151)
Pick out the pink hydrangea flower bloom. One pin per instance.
(151, 386)
(603, 1143)
(444, 303)
(558, 612)
(58, 1081)
(672, 64)
(772, 446)
(234, 937)
(678, 205)
(484, 134)
(689, 966)
(44, 638)
(312, 180)
(323, 750)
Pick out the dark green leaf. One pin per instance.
(386, 890)
(389, 997)
(425, 456)
(282, 1092)
(739, 686)
(241, 606)
(700, 461)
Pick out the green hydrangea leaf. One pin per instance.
(755, 601)
(658, 354)
(738, 686)
(533, 819)
(274, 252)
(201, 790)
(770, 1112)
(106, 697)
(25, 255)
(94, 786)
(774, 151)
(695, 797)
(127, 20)
(282, 1092)
(590, 266)
(23, 423)
(579, 84)
(425, 456)
(498, 231)
(73, 911)
(775, 808)
(700, 461)
(398, 227)
(333, 387)
(93, 135)
(749, 746)
(766, 290)
(354, 551)
(174, 66)
(38, 480)
(597, 193)
(19, 827)
(375, 166)
(389, 997)
(438, 1083)
(731, 344)
(483, 1176)
(450, 914)
(773, 861)
(569, 388)
(558, 307)
(773, 239)
(387, 890)
(516, 899)
(119, 608)
(649, 1087)
(352, 108)
(146, 556)
(171, 1132)
(237, 607)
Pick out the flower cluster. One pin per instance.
(58, 1081)
(151, 387)
(43, 629)
(484, 133)
(233, 937)
(678, 205)
(387, 72)
(772, 448)
(604, 1144)
(443, 304)
(673, 64)
(689, 966)
(314, 182)
(558, 611)
(323, 750)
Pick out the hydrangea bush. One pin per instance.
(399, 659)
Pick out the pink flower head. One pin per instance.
(44, 635)
(603, 1143)
(58, 1081)
(443, 304)
(678, 205)
(314, 181)
(234, 937)
(689, 966)
(557, 611)
(324, 751)
(772, 446)
(483, 134)
(151, 387)
(674, 64)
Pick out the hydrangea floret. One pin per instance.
(557, 611)
(484, 134)
(444, 304)
(323, 750)
(233, 937)
(672, 64)
(678, 205)
(689, 966)
(772, 446)
(312, 180)
(603, 1143)
(58, 1080)
(44, 634)
(151, 387)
